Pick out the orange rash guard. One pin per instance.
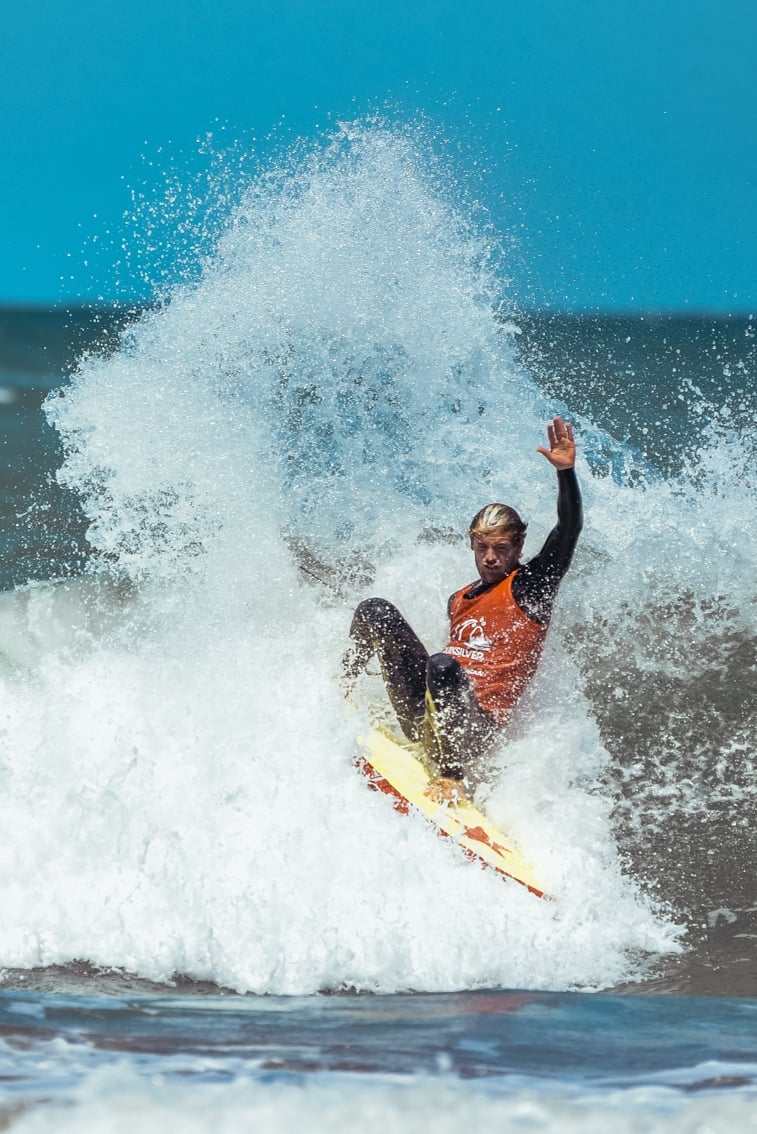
(497, 645)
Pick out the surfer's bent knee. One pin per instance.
(375, 611)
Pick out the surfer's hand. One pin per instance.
(444, 790)
(562, 447)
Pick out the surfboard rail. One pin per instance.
(393, 767)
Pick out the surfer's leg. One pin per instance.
(456, 727)
(378, 627)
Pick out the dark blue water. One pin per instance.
(580, 1055)
(608, 1040)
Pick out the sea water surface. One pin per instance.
(205, 911)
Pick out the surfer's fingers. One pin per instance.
(559, 432)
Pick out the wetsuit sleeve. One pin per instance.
(535, 585)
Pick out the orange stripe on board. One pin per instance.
(379, 783)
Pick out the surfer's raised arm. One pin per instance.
(536, 583)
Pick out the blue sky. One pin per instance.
(615, 140)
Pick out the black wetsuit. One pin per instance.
(432, 695)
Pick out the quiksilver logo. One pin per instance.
(472, 633)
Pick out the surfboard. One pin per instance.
(393, 766)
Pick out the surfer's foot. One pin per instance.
(445, 790)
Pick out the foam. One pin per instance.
(178, 792)
(117, 1099)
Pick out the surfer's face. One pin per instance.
(496, 555)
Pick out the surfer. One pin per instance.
(458, 701)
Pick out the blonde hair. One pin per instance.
(497, 519)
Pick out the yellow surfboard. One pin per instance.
(393, 766)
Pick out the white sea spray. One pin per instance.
(178, 789)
